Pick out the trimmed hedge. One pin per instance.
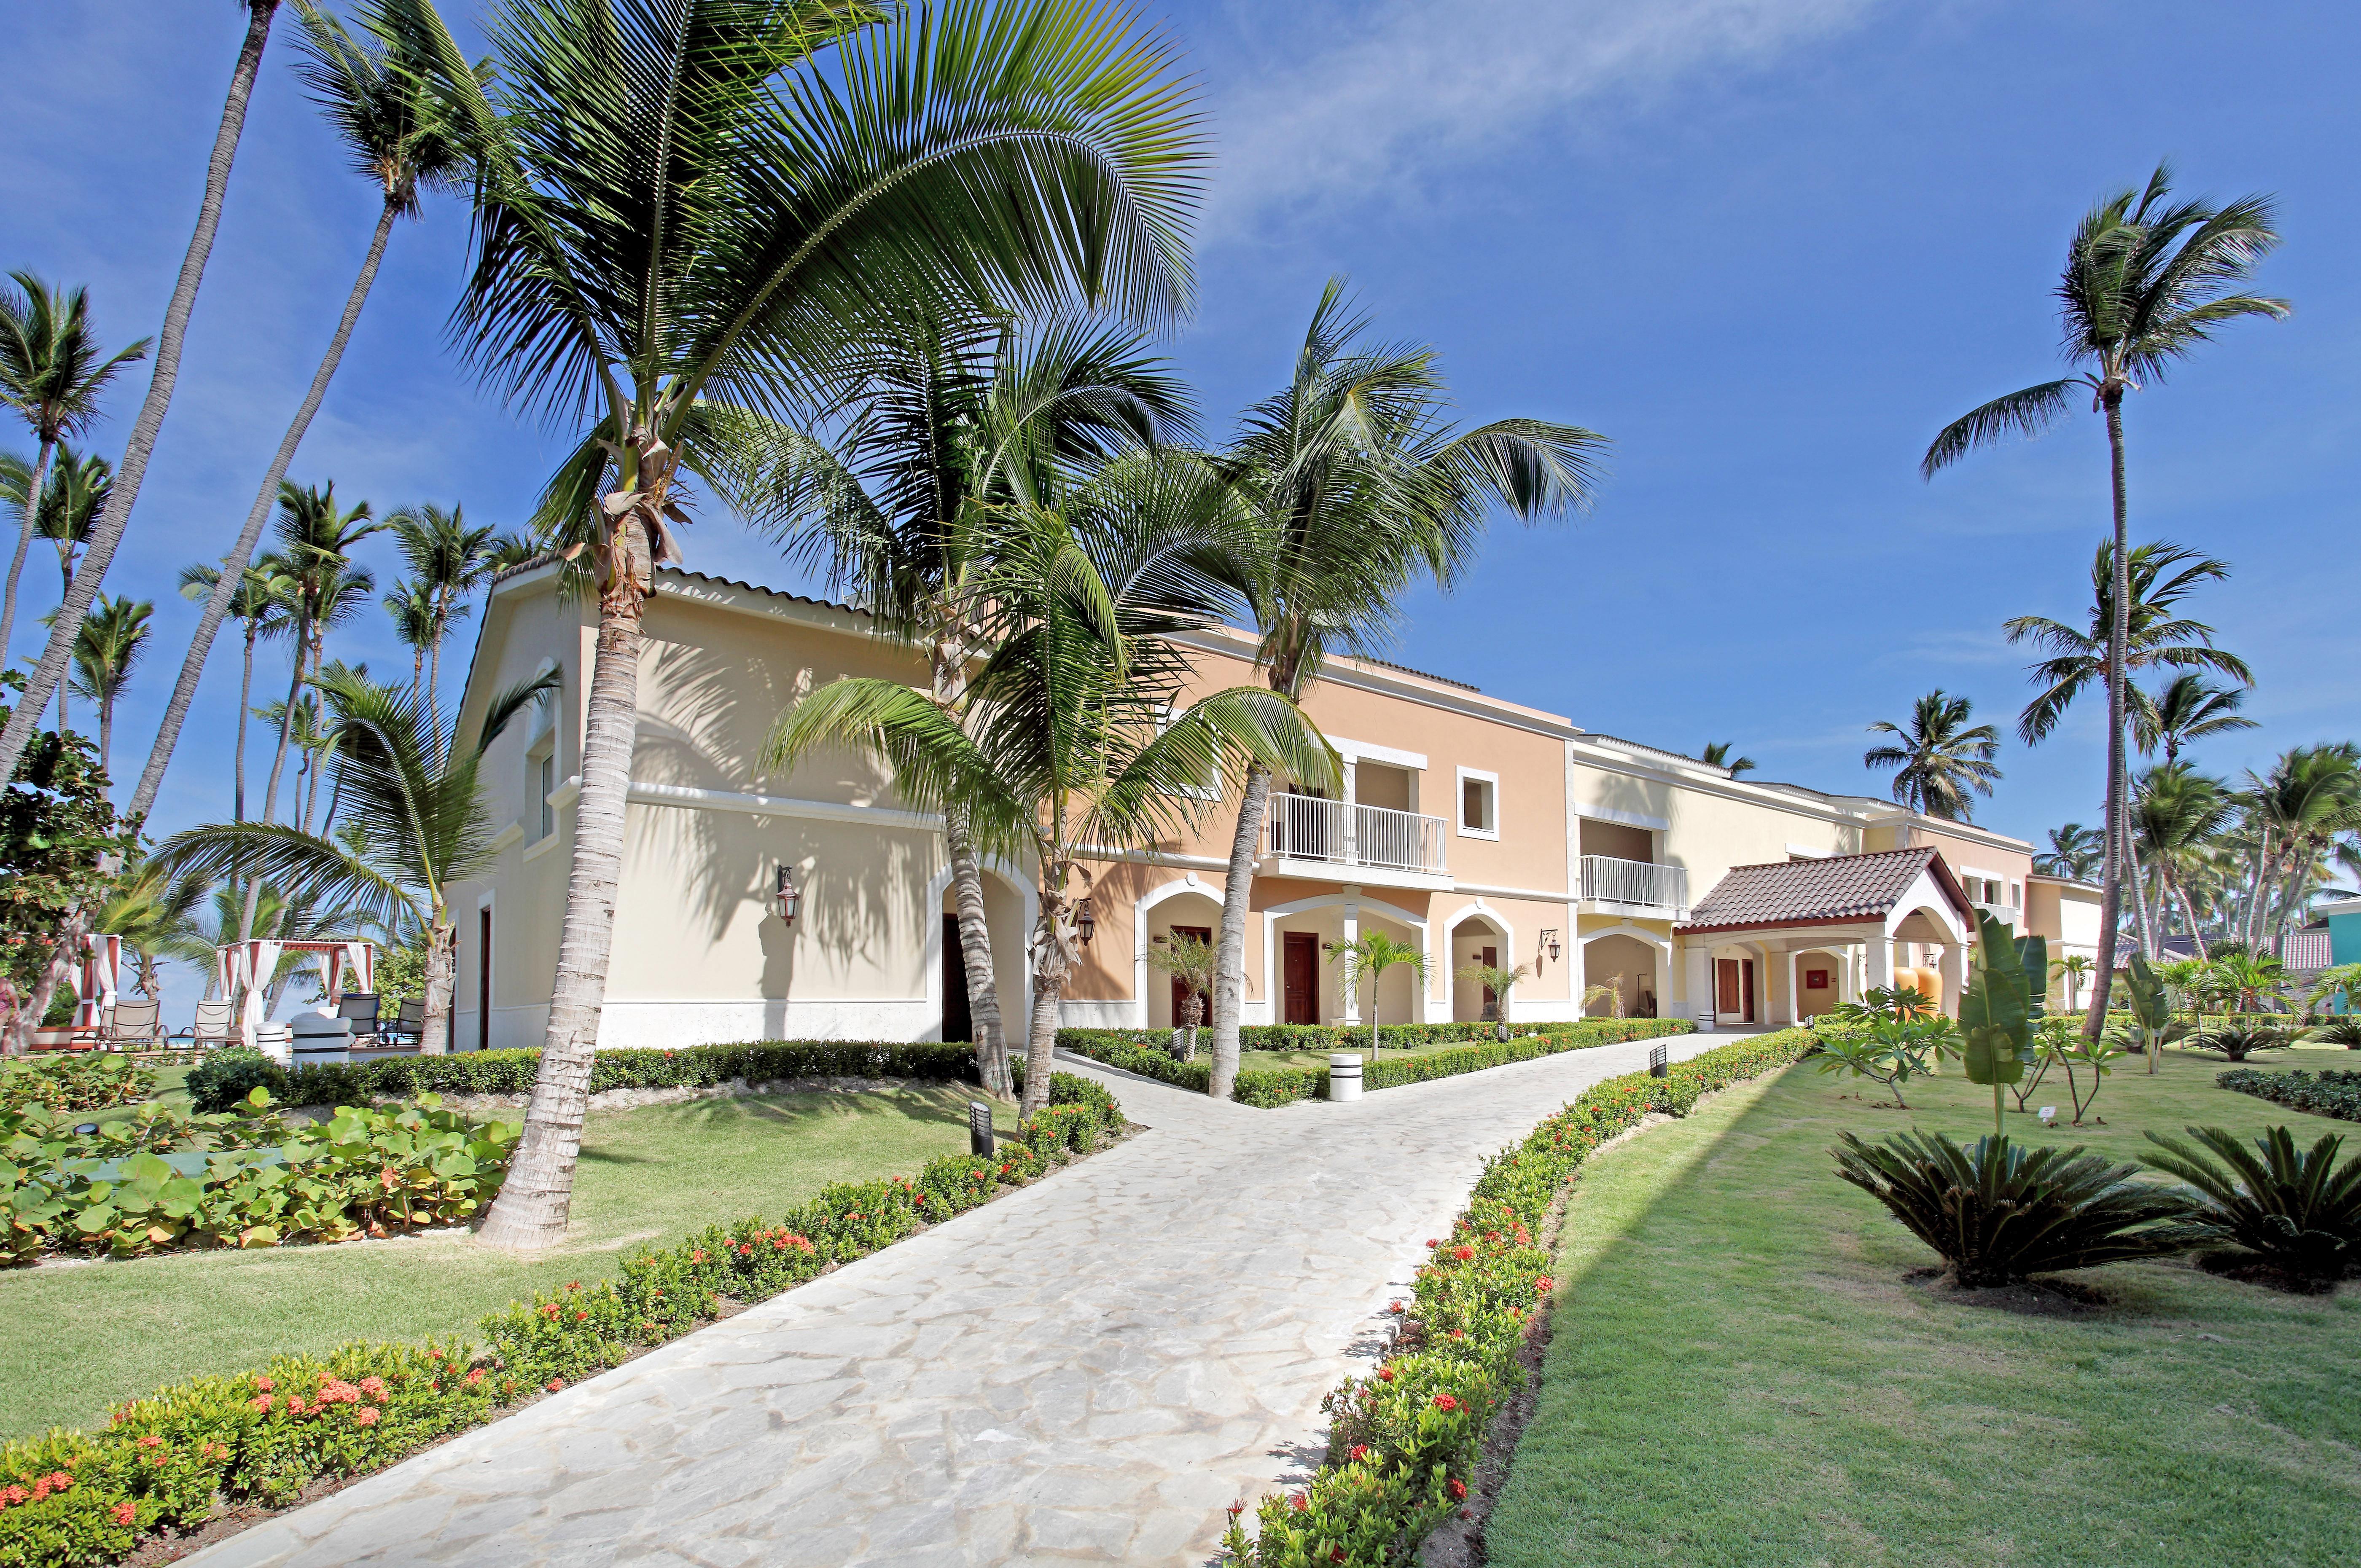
(1405, 1441)
(1347, 1038)
(1266, 1087)
(2331, 1093)
(259, 1437)
(231, 1074)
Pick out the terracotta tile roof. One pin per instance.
(1804, 893)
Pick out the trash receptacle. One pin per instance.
(1344, 1077)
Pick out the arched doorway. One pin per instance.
(1007, 922)
(1628, 964)
(1477, 937)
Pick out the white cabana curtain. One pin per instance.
(249, 966)
(101, 972)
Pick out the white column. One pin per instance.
(1881, 961)
(1577, 966)
(1352, 934)
(1953, 969)
(1700, 984)
(1795, 996)
(1352, 824)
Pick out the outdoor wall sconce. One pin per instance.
(1549, 939)
(790, 899)
(1086, 925)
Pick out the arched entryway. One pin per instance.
(1186, 908)
(1478, 936)
(1628, 964)
(1008, 923)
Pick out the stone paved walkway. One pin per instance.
(1085, 1371)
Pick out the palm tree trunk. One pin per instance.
(244, 699)
(975, 957)
(1230, 957)
(434, 660)
(2110, 891)
(442, 971)
(1053, 965)
(105, 729)
(2189, 913)
(233, 572)
(2138, 878)
(271, 790)
(24, 543)
(531, 1212)
(107, 533)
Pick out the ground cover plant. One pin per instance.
(2330, 1093)
(1403, 1446)
(78, 1080)
(1741, 1372)
(259, 1436)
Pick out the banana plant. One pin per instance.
(2001, 1005)
(2151, 1006)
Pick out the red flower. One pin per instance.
(1459, 1333)
(1360, 1451)
(265, 1384)
(1302, 1503)
(261, 1402)
(122, 1513)
(1431, 1241)
(1398, 1307)
(366, 1416)
(373, 1386)
(1385, 1373)
(549, 1310)
(1458, 1489)
(1446, 1402)
(1544, 1285)
(294, 1404)
(555, 1384)
(698, 1255)
(1463, 1253)
(152, 1440)
(574, 1285)
(475, 1377)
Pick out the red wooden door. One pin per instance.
(1301, 968)
(1725, 974)
(1181, 987)
(1746, 989)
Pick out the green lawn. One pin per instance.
(1740, 1374)
(81, 1337)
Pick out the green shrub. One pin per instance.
(1996, 1213)
(261, 1437)
(2294, 1210)
(2332, 1093)
(79, 1080)
(1404, 1441)
(2345, 1031)
(227, 1076)
(2241, 1040)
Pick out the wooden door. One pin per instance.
(1746, 989)
(1301, 968)
(959, 1016)
(1181, 987)
(484, 978)
(1726, 984)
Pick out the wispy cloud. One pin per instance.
(1356, 100)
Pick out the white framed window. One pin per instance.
(541, 782)
(1479, 803)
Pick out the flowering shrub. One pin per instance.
(1404, 1441)
(261, 1437)
(84, 1081)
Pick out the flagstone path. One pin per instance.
(1085, 1371)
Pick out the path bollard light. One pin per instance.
(1660, 1062)
(1345, 1076)
(979, 1129)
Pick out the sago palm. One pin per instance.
(946, 410)
(114, 637)
(684, 202)
(1942, 761)
(1072, 742)
(52, 373)
(414, 807)
(49, 672)
(1355, 486)
(2146, 279)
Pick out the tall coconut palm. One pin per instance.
(1943, 762)
(2146, 279)
(113, 636)
(51, 670)
(447, 561)
(422, 825)
(262, 608)
(2176, 816)
(944, 415)
(76, 495)
(1716, 755)
(2074, 852)
(411, 607)
(679, 204)
(316, 540)
(2312, 794)
(52, 373)
(2187, 707)
(1072, 744)
(1356, 485)
(381, 99)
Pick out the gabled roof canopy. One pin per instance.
(1842, 890)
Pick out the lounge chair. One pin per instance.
(360, 1008)
(409, 1019)
(130, 1026)
(215, 1025)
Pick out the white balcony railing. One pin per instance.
(1302, 828)
(2007, 913)
(1610, 881)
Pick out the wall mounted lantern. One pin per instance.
(790, 900)
(1086, 925)
(1549, 940)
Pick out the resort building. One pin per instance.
(1469, 828)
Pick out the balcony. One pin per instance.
(1301, 827)
(2007, 913)
(1635, 884)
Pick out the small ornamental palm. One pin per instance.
(1368, 956)
(1189, 960)
(2298, 1210)
(1498, 983)
(1997, 1212)
(2241, 1040)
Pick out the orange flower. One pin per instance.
(366, 1416)
(123, 1513)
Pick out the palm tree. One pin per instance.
(262, 608)
(422, 825)
(1717, 755)
(2178, 815)
(2162, 574)
(323, 588)
(1368, 956)
(151, 910)
(1072, 743)
(51, 372)
(646, 252)
(2073, 850)
(2146, 279)
(77, 493)
(1941, 758)
(1497, 983)
(945, 415)
(51, 670)
(410, 605)
(1355, 486)
(448, 561)
(379, 94)
(2073, 969)
(113, 636)
(2312, 794)
(2189, 708)
(1189, 960)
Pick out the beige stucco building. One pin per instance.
(1466, 827)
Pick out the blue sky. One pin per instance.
(1768, 246)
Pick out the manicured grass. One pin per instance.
(1741, 1374)
(81, 1337)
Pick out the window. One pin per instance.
(1479, 805)
(547, 774)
